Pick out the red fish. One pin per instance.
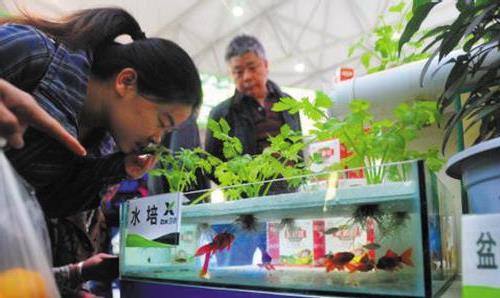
(338, 261)
(391, 261)
(220, 241)
(364, 264)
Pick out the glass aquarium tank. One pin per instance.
(335, 235)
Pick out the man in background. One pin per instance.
(250, 116)
(248, 111)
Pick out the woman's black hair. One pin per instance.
(166, 73)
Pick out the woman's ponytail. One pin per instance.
(165, 71)
(87, 29)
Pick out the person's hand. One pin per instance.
(137, 166)
(102, 267)
(18, 110)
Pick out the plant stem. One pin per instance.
(179, 184)
(274, 177)
(201, 198)
(381, 168)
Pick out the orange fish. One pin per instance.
(364, 264)
(391, 261)
(338, 261)
(220, 241)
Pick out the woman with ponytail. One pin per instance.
(95, 88)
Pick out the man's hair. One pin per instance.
(243, 44)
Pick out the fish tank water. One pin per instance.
(336, 234)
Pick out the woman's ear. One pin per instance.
(126, 81)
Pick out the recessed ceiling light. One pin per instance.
(238, 11)
(299, 67)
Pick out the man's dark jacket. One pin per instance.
(237, 112)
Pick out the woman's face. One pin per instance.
(141, 122)
(135, 120)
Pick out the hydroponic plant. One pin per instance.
(372, 143)
(180, 168)
(382, 52)
(240, 175)
(281, 159)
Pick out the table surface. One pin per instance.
(454, 291)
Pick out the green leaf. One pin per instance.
(351, 50)
(478, 19)
(316, 158)
(322, 100)
(224, 126)
(420, 12)
(453, 37)
(287, 103)
(310, 111)
(213, 125)
(417, 3)
(280, 107)
(398, 7)
(359, 105)
(285, 129)
(365, 59)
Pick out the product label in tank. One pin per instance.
(156, 218)
(481, 254)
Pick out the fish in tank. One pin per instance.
(369, 238)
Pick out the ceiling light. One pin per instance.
(238, 11)
(299, 67)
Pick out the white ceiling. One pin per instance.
(316, 33)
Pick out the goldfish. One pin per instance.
(266, 261)
(391, 261)
(361, 263)
(338, 261)
(221, 241)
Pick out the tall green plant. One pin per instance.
(241, 175)
(281, 159)
(371, 142)
(477, 31)
(382, 53)
(181, 167)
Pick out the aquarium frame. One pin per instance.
(427, 278)
(146, 282)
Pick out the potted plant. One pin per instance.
(477, 32)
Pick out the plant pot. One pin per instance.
(479, 169)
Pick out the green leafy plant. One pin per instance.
(373, 143)
(241, 175)
(477, 31)
(180, 168)
(281, 159)
(383, 53)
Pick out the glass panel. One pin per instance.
(442, 210)
(336, 233)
